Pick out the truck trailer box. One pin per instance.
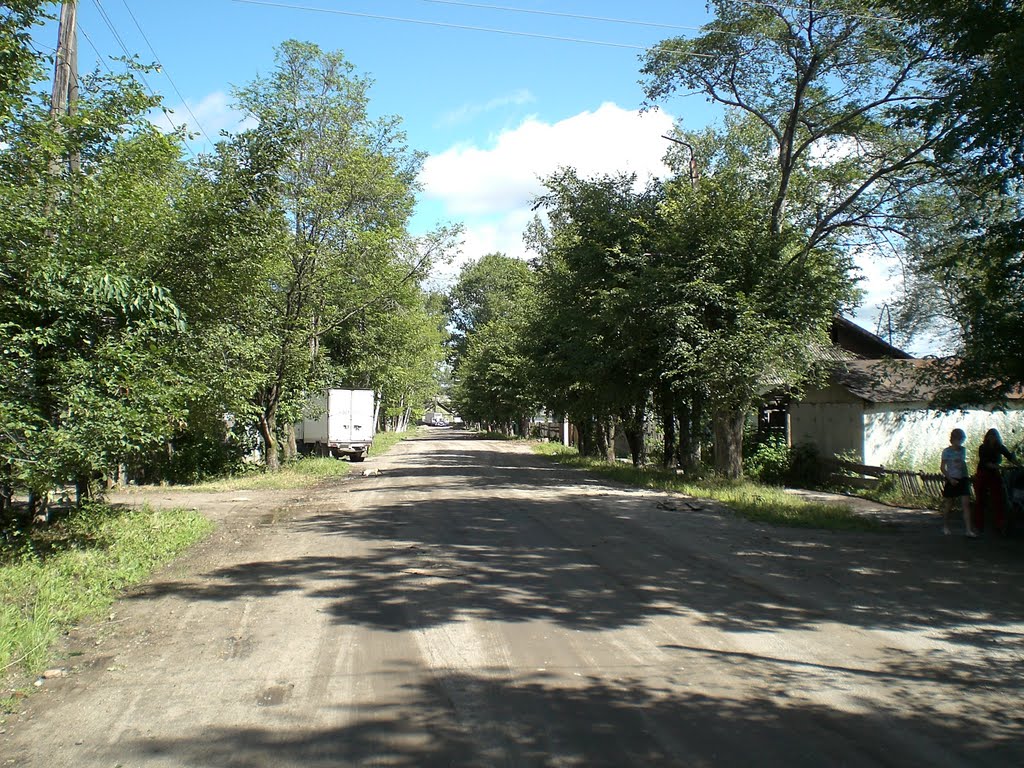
(341, 423)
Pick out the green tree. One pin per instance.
(831, 86)
(84, 325)
(963, 233)
(20, 65)
(345, 185)
(487, 309)
(980, 80)
(494, 383)
(596, 334)
(824, 93)
(748, 315)
(486, 289)
(962, 251)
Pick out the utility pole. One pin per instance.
(65, 70)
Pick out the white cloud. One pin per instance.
(467, 112)
(490, 189)
(207, 118)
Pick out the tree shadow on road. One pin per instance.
(528, 550)
(473, 720)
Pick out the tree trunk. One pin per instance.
(268, 429)
(585, 443)
(6, 489)
(83, 490)
(39, 507)
(605, 434)
(668, 426)
(634, 423)
(289, 450)
(729, 442)
(691, 433)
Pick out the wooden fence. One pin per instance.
(911, 483)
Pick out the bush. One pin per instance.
(769, 462)
(805, 467)
(772, 462)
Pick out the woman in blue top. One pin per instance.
(954, 469)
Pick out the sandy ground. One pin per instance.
(474, 605)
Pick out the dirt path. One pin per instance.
(473, 605)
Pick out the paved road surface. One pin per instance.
(473, 605)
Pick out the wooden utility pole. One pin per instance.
(65, 70)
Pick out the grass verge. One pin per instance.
(303, 472)
(750, 500)
(53, 577)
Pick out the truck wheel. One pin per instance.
(357, 457)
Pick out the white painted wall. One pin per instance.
(916, 437)
(835, 428)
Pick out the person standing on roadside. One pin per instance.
(988, 482)
(956, 490)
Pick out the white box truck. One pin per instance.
(341, 424)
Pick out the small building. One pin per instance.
(877, 412)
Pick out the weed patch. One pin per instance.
(59, 575)
(301, 473)
(751, 500)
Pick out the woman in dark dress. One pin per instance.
(988, 483)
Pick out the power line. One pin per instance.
(562, 15)
(128, 56)
(823, 11)
(167, 74)
(99, 56)
(113, 31)
(452, 26)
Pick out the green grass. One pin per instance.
(301, 473)
(53, 577)
(385, 441)
(749, 499)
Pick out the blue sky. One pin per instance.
(494, 110)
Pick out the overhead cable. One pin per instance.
(451, 26)
(167, 74)
(562, 15)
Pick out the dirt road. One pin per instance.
(473, 605)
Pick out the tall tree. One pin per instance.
(981, 78)
(965, 231)
(345, 185)
(488, 309)
(747, 314)
(594, 335)
(20, 65)
(828, 87)
(831, 85)
(83, 325)
(486, 289)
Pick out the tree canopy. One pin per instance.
(159, 313)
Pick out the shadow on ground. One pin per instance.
(468, 720)
(605, 561)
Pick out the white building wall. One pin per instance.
(915, 437)
(835, 428)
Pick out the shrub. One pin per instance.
(770, 461)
